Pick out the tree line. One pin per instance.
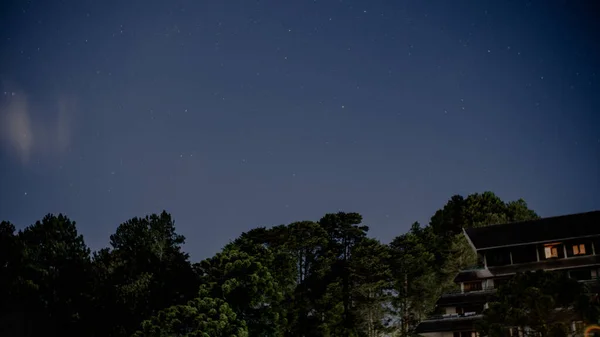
(307, 278)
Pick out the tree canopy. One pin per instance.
(307, 278)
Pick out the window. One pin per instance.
(497, 257)
(551, 251)
(472, 286)
(524, 254)
(579, 249)
(581, 274)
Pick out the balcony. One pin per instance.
(473, 273)
(451, 316)
(478, 272)
(553, 264)
(474, 267)
(456, 322)
(458, 292)
(456, 297)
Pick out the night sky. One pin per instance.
(236, 114)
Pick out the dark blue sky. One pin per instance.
(235, 114)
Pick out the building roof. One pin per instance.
(473, 274)
(541, 230)
(475, 297)
(458, 323)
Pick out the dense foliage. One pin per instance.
(539, 304)
(323, 278)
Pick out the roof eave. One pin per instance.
(469, 240)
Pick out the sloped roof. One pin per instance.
(473, 274)
(480, 297)
(447, 324)
(541, 230)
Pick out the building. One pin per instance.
(570, 243)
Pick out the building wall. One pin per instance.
(437, 334)
(526, 254)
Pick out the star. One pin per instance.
(280, 113)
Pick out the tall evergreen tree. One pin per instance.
(371, 275)
(144, 272)
(344, 231)
(52, 288)
(414, 277)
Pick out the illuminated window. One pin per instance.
(579, 249)
(472, 286)
(551, 251)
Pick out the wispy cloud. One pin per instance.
(25, 131)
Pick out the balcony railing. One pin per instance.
(452, 316)
(471, 268)
(458, 291)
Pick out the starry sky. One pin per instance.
(242, 113)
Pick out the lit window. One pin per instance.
(551, 251)
(579, 249)
(472, 286)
